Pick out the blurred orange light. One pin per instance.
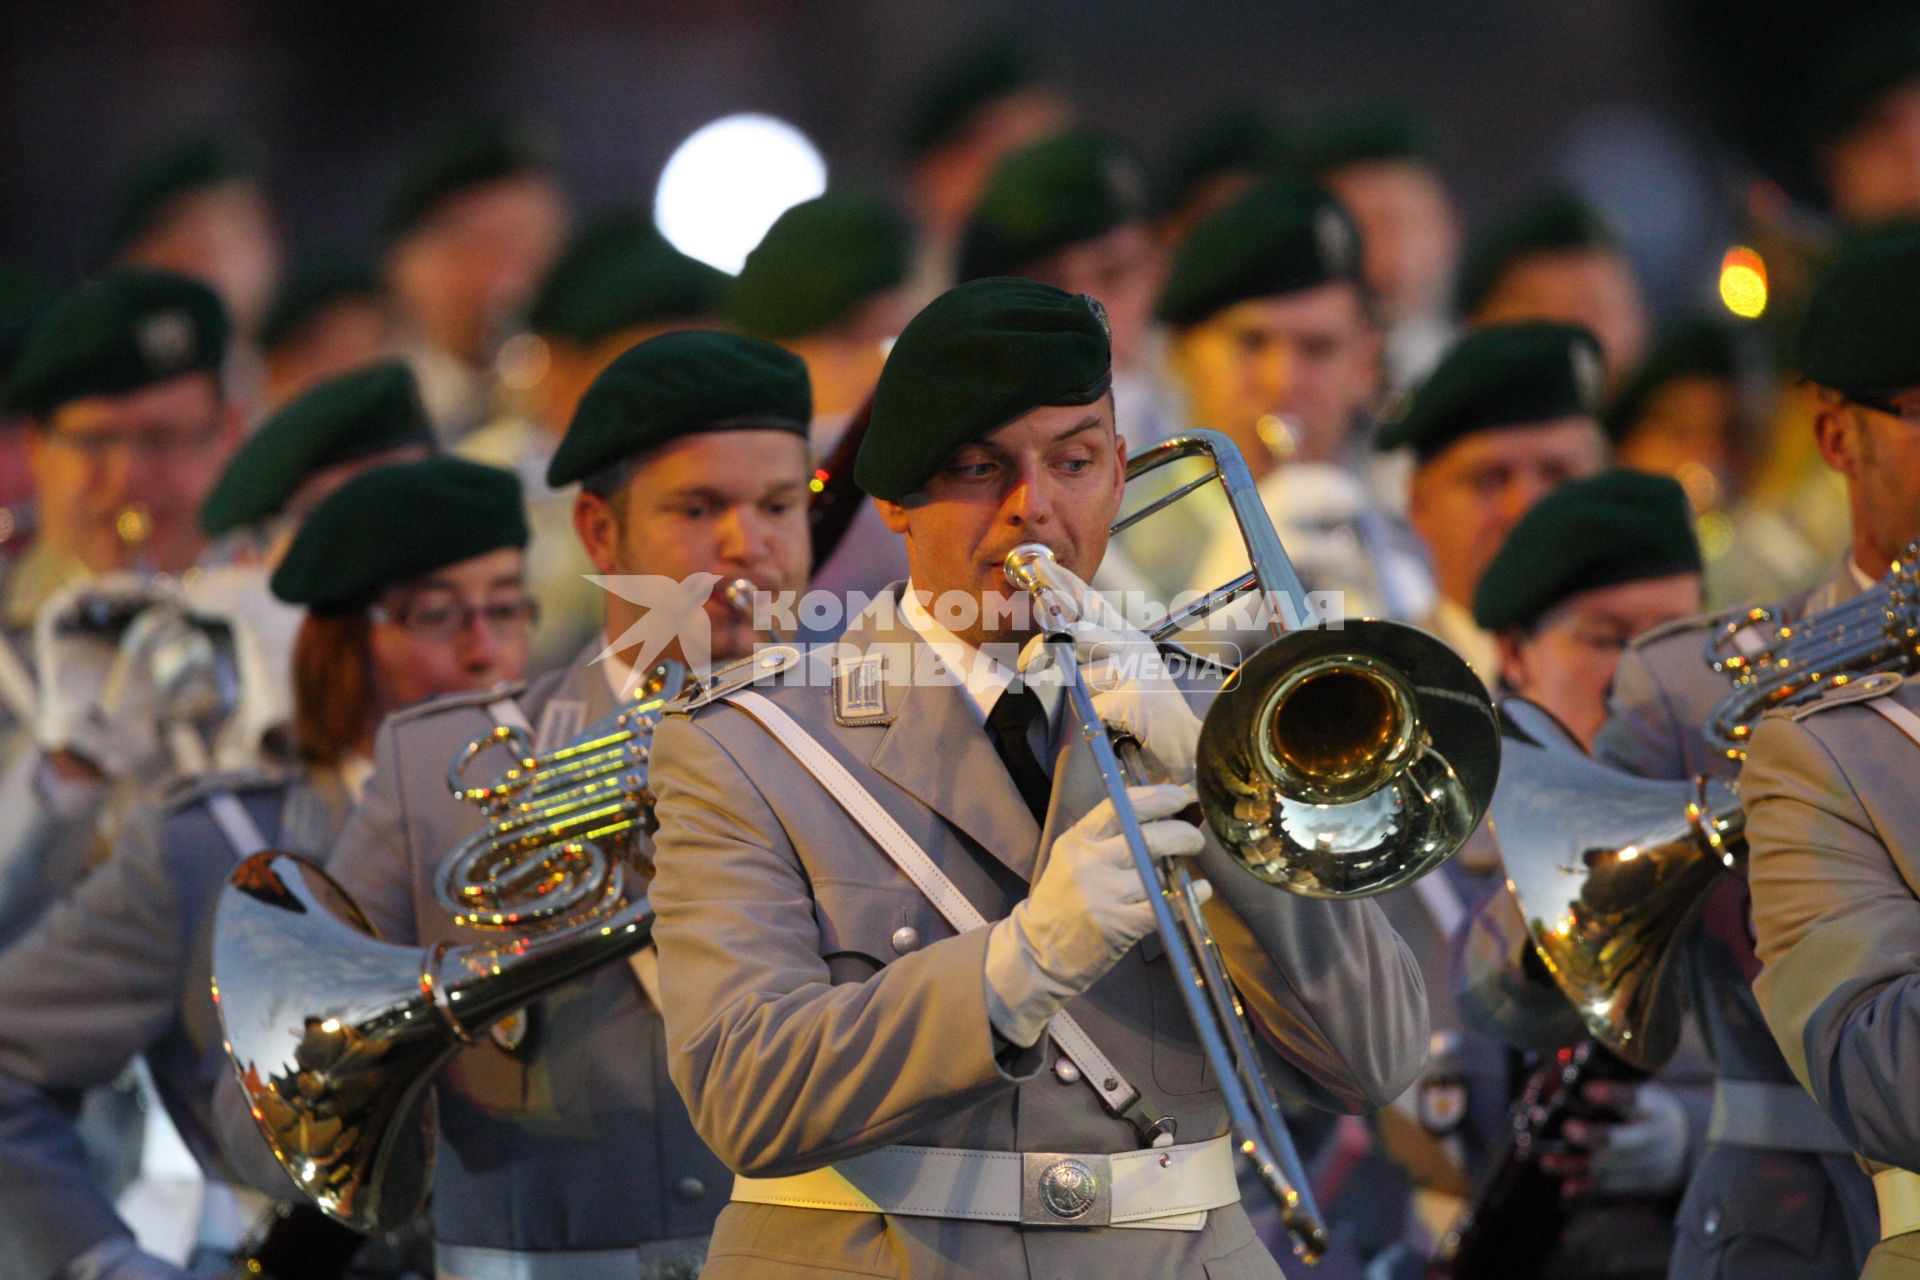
(1743, 282)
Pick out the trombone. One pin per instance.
(1334, 763)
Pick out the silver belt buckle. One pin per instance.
(1060, 1190)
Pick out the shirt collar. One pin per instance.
(983, 677)
(1860, 577)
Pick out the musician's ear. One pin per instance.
(597, 524)
(892, 514)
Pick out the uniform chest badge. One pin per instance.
(859, 691)
(510, 1033)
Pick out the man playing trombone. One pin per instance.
(905, 1088)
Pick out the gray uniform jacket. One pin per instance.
(1834, 828)
(577, 1141)
(819, 1007)
(118, 969)
(1754, 1207)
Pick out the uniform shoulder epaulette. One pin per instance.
(1679, 626)
(763, 664)
(184, 791)
(1865, 689)
(450, 701)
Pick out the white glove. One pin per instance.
(1644, 1154)
(92, 702)
(263, 629)
(1133, 689)
(1087, 908)
(120, 1260)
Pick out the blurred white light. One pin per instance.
(723, 187)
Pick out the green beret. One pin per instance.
(618, 274)
(1550, 222)
(984, 72)
(1059, 191)
(1242, 139)
(1283, 236)
(1381, 131)
(1618, 526)
(25, 298)
(183, 168)
(310, 292)
(1694, 346)
(1858, 336)
(390, 524)
(682, 384)
(458, 162)
(976, 358)
(356, 415)
(818, 262)
(1876, 56)
(1504, 375)
(129, 329)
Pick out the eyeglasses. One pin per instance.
(146, 443)
(442, 618)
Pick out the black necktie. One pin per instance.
(1010, 722)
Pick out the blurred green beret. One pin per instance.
(1870, 60)
(1381, 131)
(1548, 222)
(1696, 346)
(1056, 192)
(1505, 375)
(991, 68)
(682, 384)
(617, 274)
(310, 292)
(818, 262)
(25, 299)
(973, 360)
(1858, 336)
(129, 329)
(390, 524)
(355, 415)
(183, 167)
(1618, 526)
(1283, 236)
(1240, 139)
(457, 162)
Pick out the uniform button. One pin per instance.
(689, 1189)
(905, 939)
(1068, 1073)
(1710, 1225)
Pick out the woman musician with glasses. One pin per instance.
(411, 576)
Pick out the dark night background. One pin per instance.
(1662, 112)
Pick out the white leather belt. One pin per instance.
(1898, 1193)
(1163, 1188)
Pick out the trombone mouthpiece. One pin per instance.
(1028, 565)
(739, 596)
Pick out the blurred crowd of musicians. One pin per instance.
(279, 538)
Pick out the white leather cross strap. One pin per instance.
(1160, 1189)
(1899, 717)
(1119, 1096)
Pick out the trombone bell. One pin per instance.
(1344, 763)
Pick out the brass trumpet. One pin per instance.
(336, 1036)
(1334, 763)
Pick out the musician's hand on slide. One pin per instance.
(1087, 909)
